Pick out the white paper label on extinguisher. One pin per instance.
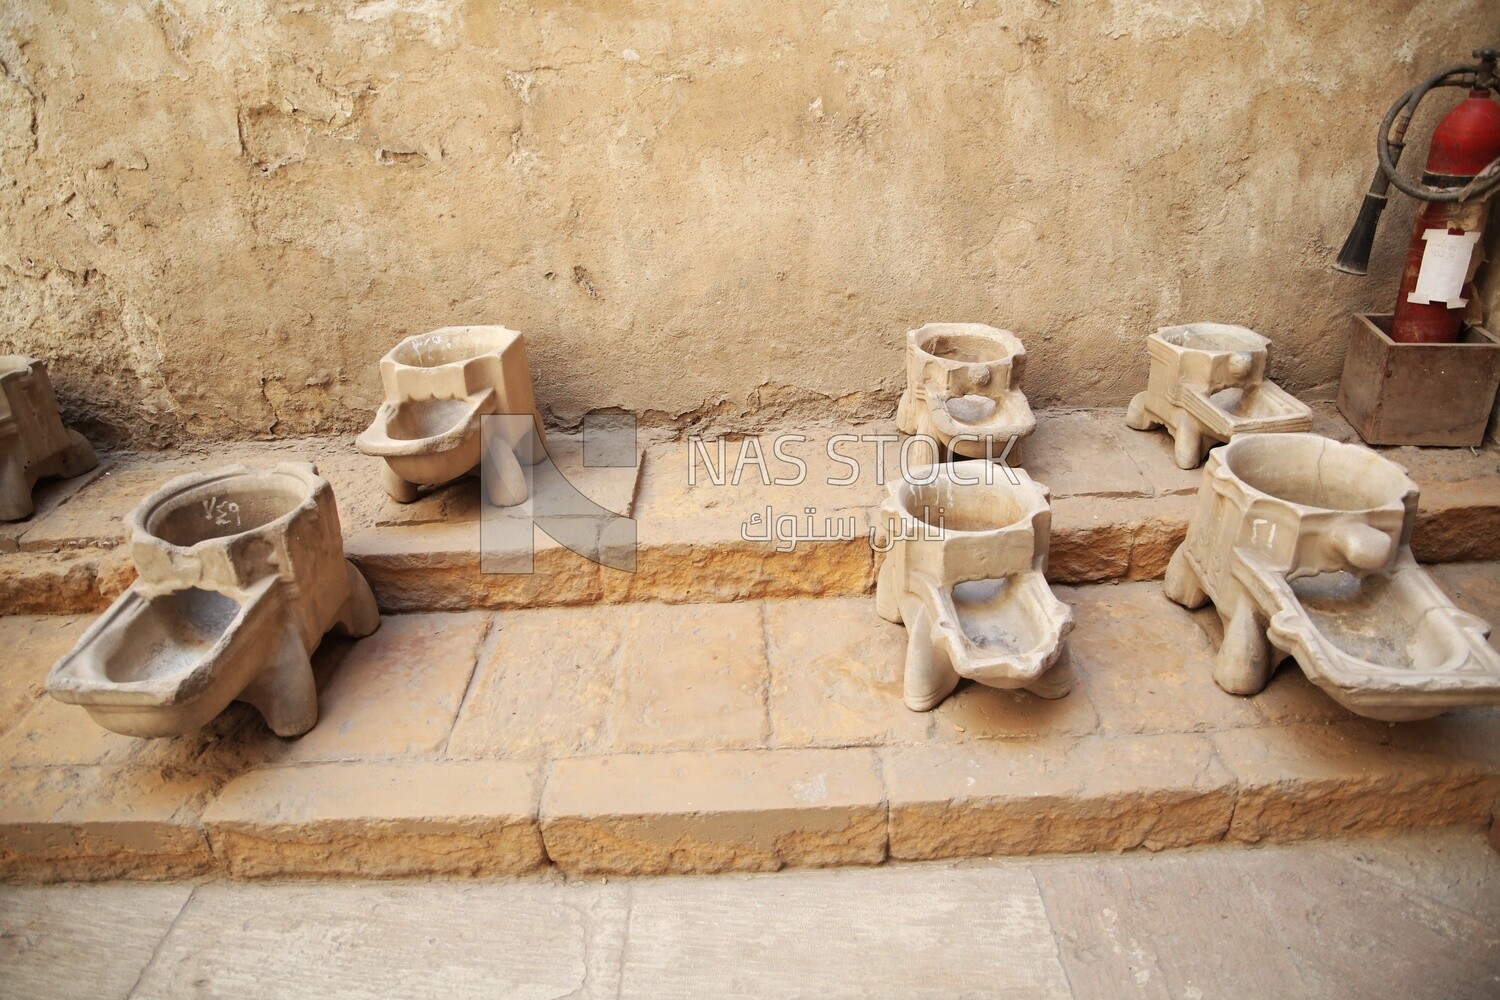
(1445, 268)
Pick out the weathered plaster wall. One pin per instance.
(215, 217)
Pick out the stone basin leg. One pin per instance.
(1243, 665)
(15, 489)
(359, 616)
(78, 457)
(1182, 584)
(1137, 417)
(285, 692)
(1187, 443)
(504, 481)
(929, 677)
(395, 487)
(1057, 681)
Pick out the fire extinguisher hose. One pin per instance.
(1354, 257)
(1391, 139)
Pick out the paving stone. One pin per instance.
(379, 819)
(1166, 925)
(52, 733)
(910, 932)
(684, 519)
(707, 812)
(87, 823)
(1272, 922)
(82, 940)
(328, 941)
(1355, 934)
(836, 675)
(692, 677)
(546, 688)
(1319, 780)
(46, 496)
(1146, 665)
(32, 645)
(1056, 795)
(1471, 733)
(1461, 872)
(1075, 453)
(396, 692)
(426, 556)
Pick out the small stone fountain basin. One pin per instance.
(1215, 338)
(959, 342)
(223, 507)
(1315, 473)
(1007, 617)
(451, 345)
(159, 665)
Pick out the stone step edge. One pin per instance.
(743, 810)
(437, 567)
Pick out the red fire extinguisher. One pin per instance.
(1463, 169)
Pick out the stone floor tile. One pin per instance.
(692, 676)
(1461, 872)
(94, 516)
(680, 497)
(396, 692)
(71, 582)
(1177, 924)
(1075, 453)
(836, 675)
(1097, 539)
(545, 689)
(976, 712)
(1146, 664)
(910, 932)
(1152, 452)
(1458, 521)
(378, 819)
(1355, 934)
(685, 519)
(53, 733)
(1053, 795)
(82, 940)
(1271, 922)
(32, 644)
(1320, 779)
(708, 812)
(46, 496)
(450, 940)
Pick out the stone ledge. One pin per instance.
(378, 820)
(1311, 780)
(1057, 796)
(1120, 507)
(754, 810)
(757, 810)
(84, 824)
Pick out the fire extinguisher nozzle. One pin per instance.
(1354, 258)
